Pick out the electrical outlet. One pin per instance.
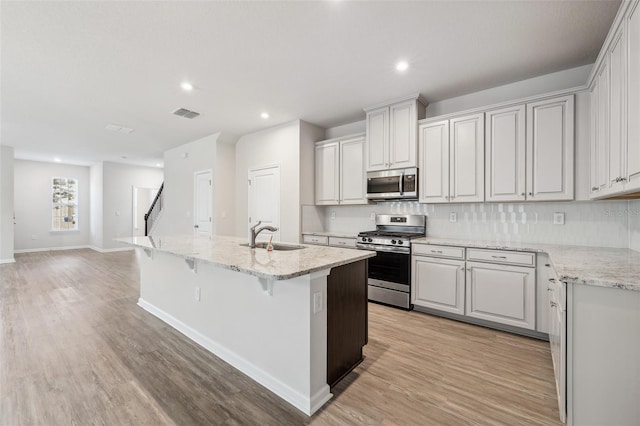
(34, 237)
(372, 217)
(317, 302)
(333, 215)
(453, 217)
(197, 294)
(558, 218)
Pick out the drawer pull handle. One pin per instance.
(553, 280)
(549, 289)
(499, 257)
(553, 304)
(436, 251)
(548, 265)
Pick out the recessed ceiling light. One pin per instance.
(57, 160)
(118, 128)
(124, 157)
(158, 165)
(186, 86)
(264, 115)
(402, 66)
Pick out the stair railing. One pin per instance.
(155, 209)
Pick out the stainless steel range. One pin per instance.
(390, 270)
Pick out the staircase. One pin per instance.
(152, 216)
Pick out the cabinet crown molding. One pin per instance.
(417, 96)
(342, 138)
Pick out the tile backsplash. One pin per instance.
(589, 223)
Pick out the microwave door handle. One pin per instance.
(401, 183)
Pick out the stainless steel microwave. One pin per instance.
(400, 184)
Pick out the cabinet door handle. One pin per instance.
(549, 289)
(553, 304)
(548, 265)
(499, 257)
(531, 194)
(623, 179)
(553, 280)
(594, 188)
(522, 194)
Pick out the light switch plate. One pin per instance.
(333, 215)
(453, 217)
(558, 218)
(317, 302)
(197, 294)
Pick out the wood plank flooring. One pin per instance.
(76, 349)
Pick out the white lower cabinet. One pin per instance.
(501, 293)
(557, 315)
(438, 283)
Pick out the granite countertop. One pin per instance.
(226, 252)
(332, 234)
(598, 266)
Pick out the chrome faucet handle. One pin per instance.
(253, 228)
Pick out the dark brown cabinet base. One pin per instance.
(347, 319)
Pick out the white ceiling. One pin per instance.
(70, 68)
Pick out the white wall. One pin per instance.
(6, 204)
(180, 164)
(96, 205)
(118, 182)
(573, 77)
(347, 129)
(32, 203)
(224, 188)
(275, 146)
(309, 135)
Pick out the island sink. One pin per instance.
(276, 246)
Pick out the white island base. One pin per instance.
(263, 327)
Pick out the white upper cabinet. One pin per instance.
(615, 103)
(327, 173)
(633, 100)
(466, 152)
(391, 134)
(550, 146)
(434, 162)
(452, 160)
(505, 160)
(617, 109)
(340, 173)
(353, 189)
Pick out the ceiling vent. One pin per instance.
(183, 112)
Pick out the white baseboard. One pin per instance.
(111, 250)
(307, 405)
(3, 261)
(35, 250)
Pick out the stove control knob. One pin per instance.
(393, 241)
(400, 241)
(364, 239)
(369, 239)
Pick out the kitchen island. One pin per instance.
(293, 320)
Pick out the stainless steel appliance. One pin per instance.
(400, 184)
(390, 271)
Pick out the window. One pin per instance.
(64, 204)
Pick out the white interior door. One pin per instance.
(203, 221)
(264, 199)
(142, 199)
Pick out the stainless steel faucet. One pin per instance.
(254, 232)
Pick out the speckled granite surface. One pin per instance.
(226, 252)
(598, 266)
(332, 234)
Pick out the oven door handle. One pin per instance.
(401, 184)
(388, 249)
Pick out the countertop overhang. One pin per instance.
(228, 253)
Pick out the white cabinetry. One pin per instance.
(391, 134)
(532, 161)
(550, 148)
(505, 145)
(452, 160)
(340, 174)
(501, 293)
(438, 283)
(557, 315)
(615, 103)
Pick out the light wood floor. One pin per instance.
(76, 349)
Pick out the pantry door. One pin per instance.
(264, 199)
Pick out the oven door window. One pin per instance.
(383, 185)
(393, 267)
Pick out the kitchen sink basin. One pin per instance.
(277, 246)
